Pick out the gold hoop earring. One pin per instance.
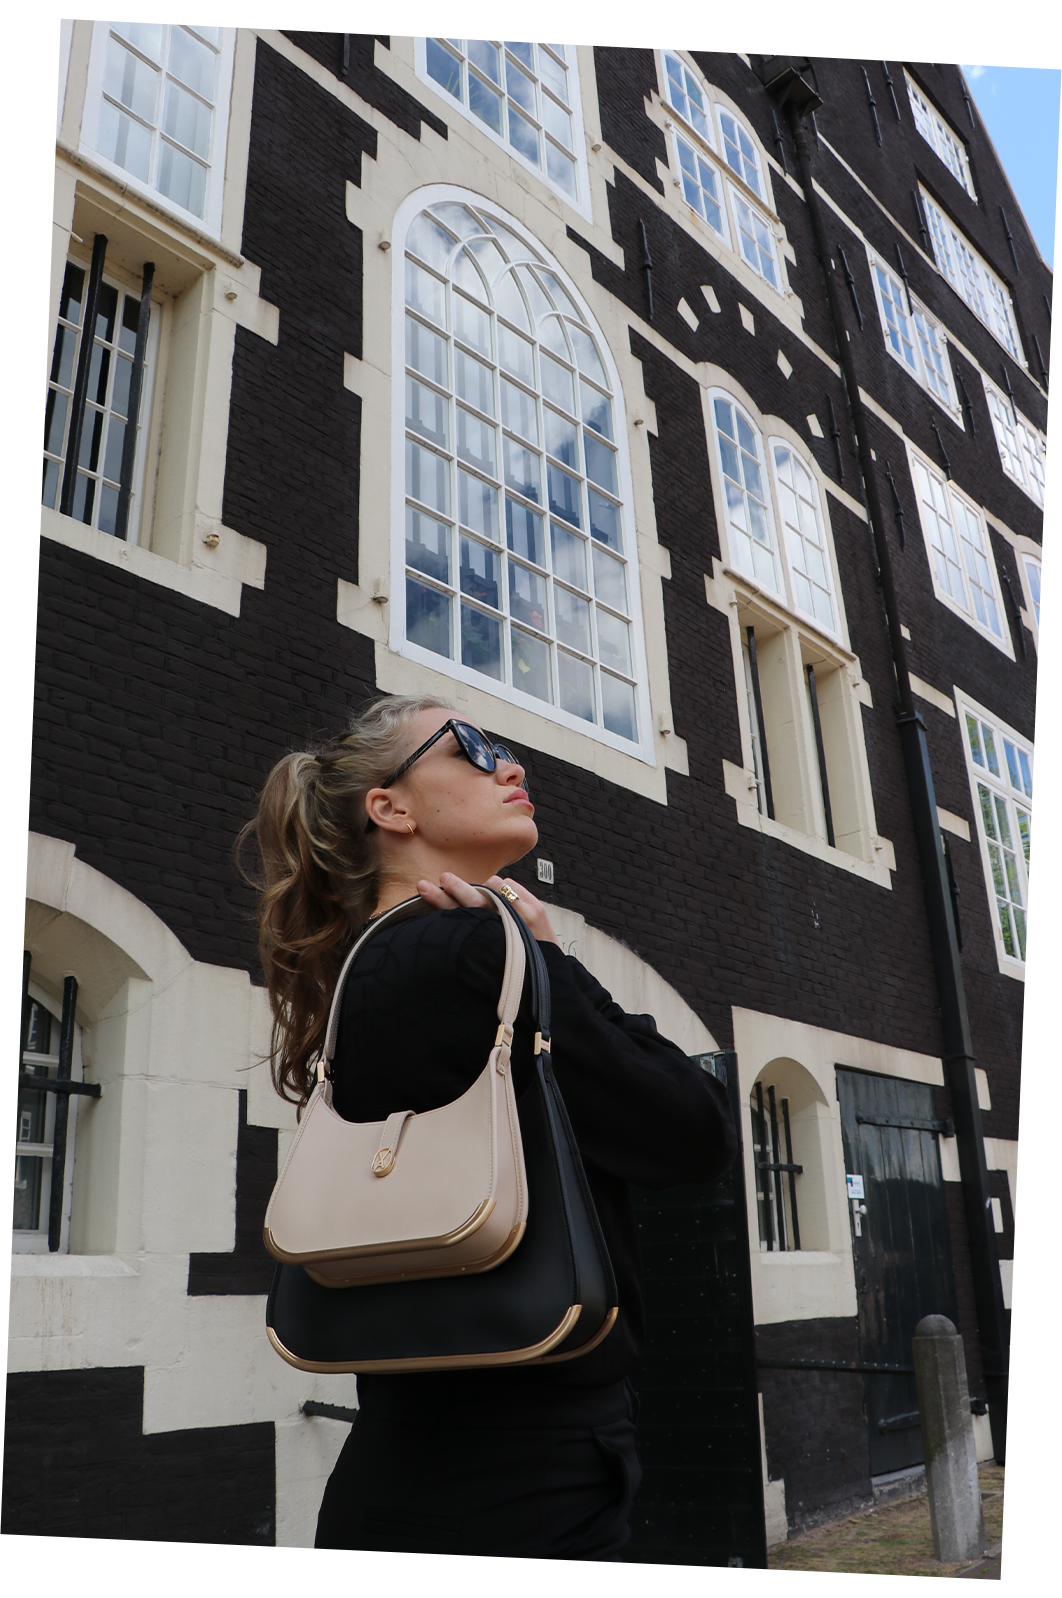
(411, 827)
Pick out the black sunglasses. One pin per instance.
(479, 751)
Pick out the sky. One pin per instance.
(1020, 109)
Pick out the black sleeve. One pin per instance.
(640, 1108)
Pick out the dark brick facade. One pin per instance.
(158, 717)
(78, 1464)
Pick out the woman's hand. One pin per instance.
(453, 891)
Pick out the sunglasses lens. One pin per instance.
(475, 746)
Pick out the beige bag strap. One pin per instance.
(512, 979)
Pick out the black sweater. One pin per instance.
(417, 1025)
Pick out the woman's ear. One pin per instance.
(388, 815)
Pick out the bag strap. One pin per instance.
(540, 994)
(512, 976)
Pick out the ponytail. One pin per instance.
(321, 875)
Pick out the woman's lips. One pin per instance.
(519, 798)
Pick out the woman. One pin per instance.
(537, 1460)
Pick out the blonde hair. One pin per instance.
(321, 874)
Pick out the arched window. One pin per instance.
(712, 148)
(518, 542)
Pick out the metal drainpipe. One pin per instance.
(955, 1024)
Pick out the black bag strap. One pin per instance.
(540, 994)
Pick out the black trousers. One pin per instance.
(549, 1481)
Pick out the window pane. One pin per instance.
(475, 382)
(477, 505)
(130, 81)
(107, 520)
(427, 413)
(143, 36)
(476, 442)
(572, 617)
(531, 665)
(72, 292)
(557, 121)
(561, 168)
(444, 68)
(520, 87)
(600, 464)
(522, 135)
(428, 240)
(565, 496)
(522, 471)
(569, 556)
(610, 579)
(617, 707)
(426, 351)
(427, 545)
(425, 293)
(427, 477)
(562, 439)
(472, 325)
(187, 120)
(523, 532)
(517, 355)
(576, 686)
(597, 410)
(484, 55)
(523, 52)
(553, 74)
(605, 521)
(112, 459)
(480, 572)
(125, 142)
(519, 411)
(527, 597)
(481, 641)
(557, 383)
(428, 618)
(55, 421)
(192, 62)
(484, 102)
(614, 639)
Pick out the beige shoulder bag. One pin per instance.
(435, 1194)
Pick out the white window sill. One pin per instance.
(736, 782)
(791, 1258)
(215, 576)
(67, 1265)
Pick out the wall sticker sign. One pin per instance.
(855, 1187)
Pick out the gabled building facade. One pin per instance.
(681, 417)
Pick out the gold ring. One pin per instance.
(513, 898)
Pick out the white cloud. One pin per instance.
(973, 73)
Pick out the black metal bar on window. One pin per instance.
(345, 66)
(62, 1112)
(940, 443)
(1010, 239)
(136, 384)
(850, 280)
(910, 1123)
(763, 1167)
(1039, 357)
(26, 1002)
(778, 139)
(872, 103)
(1010, 391)
(51, 1084)
(84, 361)
(1021, 629)
(897, 508)
(921, 221)
(835, 434)
(903, 274)
(969, 107)
(892, 91)
(792, 1173)
(647, 266)
(329, 1411)
(967, 407)
(821, 751)
(953, 887)
(783, 1240)
(757, 699)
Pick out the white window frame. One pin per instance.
(1022, 447)
(1000, 788)
(210, 221)
(960, 508)
(36, 1242)
(940, 136)
(915, 328)
(580, 201)
(642, 747)
(736, 195)
(972, 278)
(783, 586)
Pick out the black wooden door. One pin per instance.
(701, 1498)
(901, 1246)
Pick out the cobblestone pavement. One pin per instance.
(895, 1539)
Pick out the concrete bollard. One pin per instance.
(948, 1440)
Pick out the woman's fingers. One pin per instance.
(451, 892)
